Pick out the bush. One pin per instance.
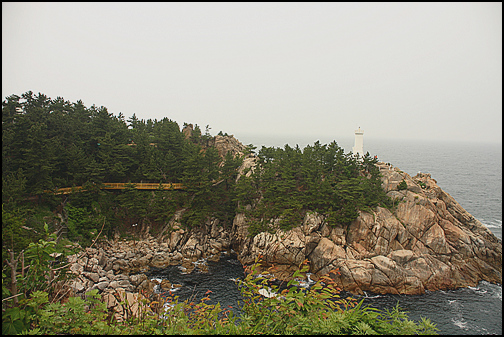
(319, 310)
(266, 310)
(402, 185)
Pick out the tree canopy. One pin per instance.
(321, 178)
(52, 143)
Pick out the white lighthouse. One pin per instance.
(359, 142)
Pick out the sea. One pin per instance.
(470, 172)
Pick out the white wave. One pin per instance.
(376, 296)
(235, 262)
(495, 223)
(371, 296)
(267, 292)
(497, 294)
(306, 283)
(174, 289)
(494, 289)
(459, 322)
(485, 287)
(200, 261)
(458, 319)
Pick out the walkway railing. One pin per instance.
(121, 186)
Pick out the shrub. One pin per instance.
(402, 185)
(293, 310)
(319, 310)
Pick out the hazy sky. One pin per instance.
(398, 70)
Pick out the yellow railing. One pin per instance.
(121, 186)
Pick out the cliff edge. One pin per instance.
(429, 243)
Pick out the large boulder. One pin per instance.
(429, 243)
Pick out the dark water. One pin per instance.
(220, 280)
(471, 173)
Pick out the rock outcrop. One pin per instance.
(99, 269)
(428, 243)
(223, 144)
(116, 268)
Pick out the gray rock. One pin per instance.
(137, 279)
(102, 285)
(76, 268)
(92, 276)
(77, 286)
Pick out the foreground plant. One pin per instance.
(319, 310)
(266, 309)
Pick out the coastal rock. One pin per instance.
(223, 143)
(160, 260)
(92, 276)
(325, 252)
(147, 287)
(165, 285)
(227, 144)
(192, 248)
(137, 279)
(428, 243)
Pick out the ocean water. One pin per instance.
(471, 173)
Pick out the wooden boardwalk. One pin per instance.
(122, 186)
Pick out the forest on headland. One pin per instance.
(52, 143)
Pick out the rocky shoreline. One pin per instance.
(428, 242)
(117, 270)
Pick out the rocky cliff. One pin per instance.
(223, 144)
(428, 243)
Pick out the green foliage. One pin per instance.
(34, 285)
(402, 185)
(422, 184)
(54, 143)
(320, 178)
(266, 309)
(80, 224)
(319, 310)
(14, 321)
(13, 235)
(61, 144)
(13, 188)
(77, 316)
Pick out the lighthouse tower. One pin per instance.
(359, 142)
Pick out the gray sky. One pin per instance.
(398, 70)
